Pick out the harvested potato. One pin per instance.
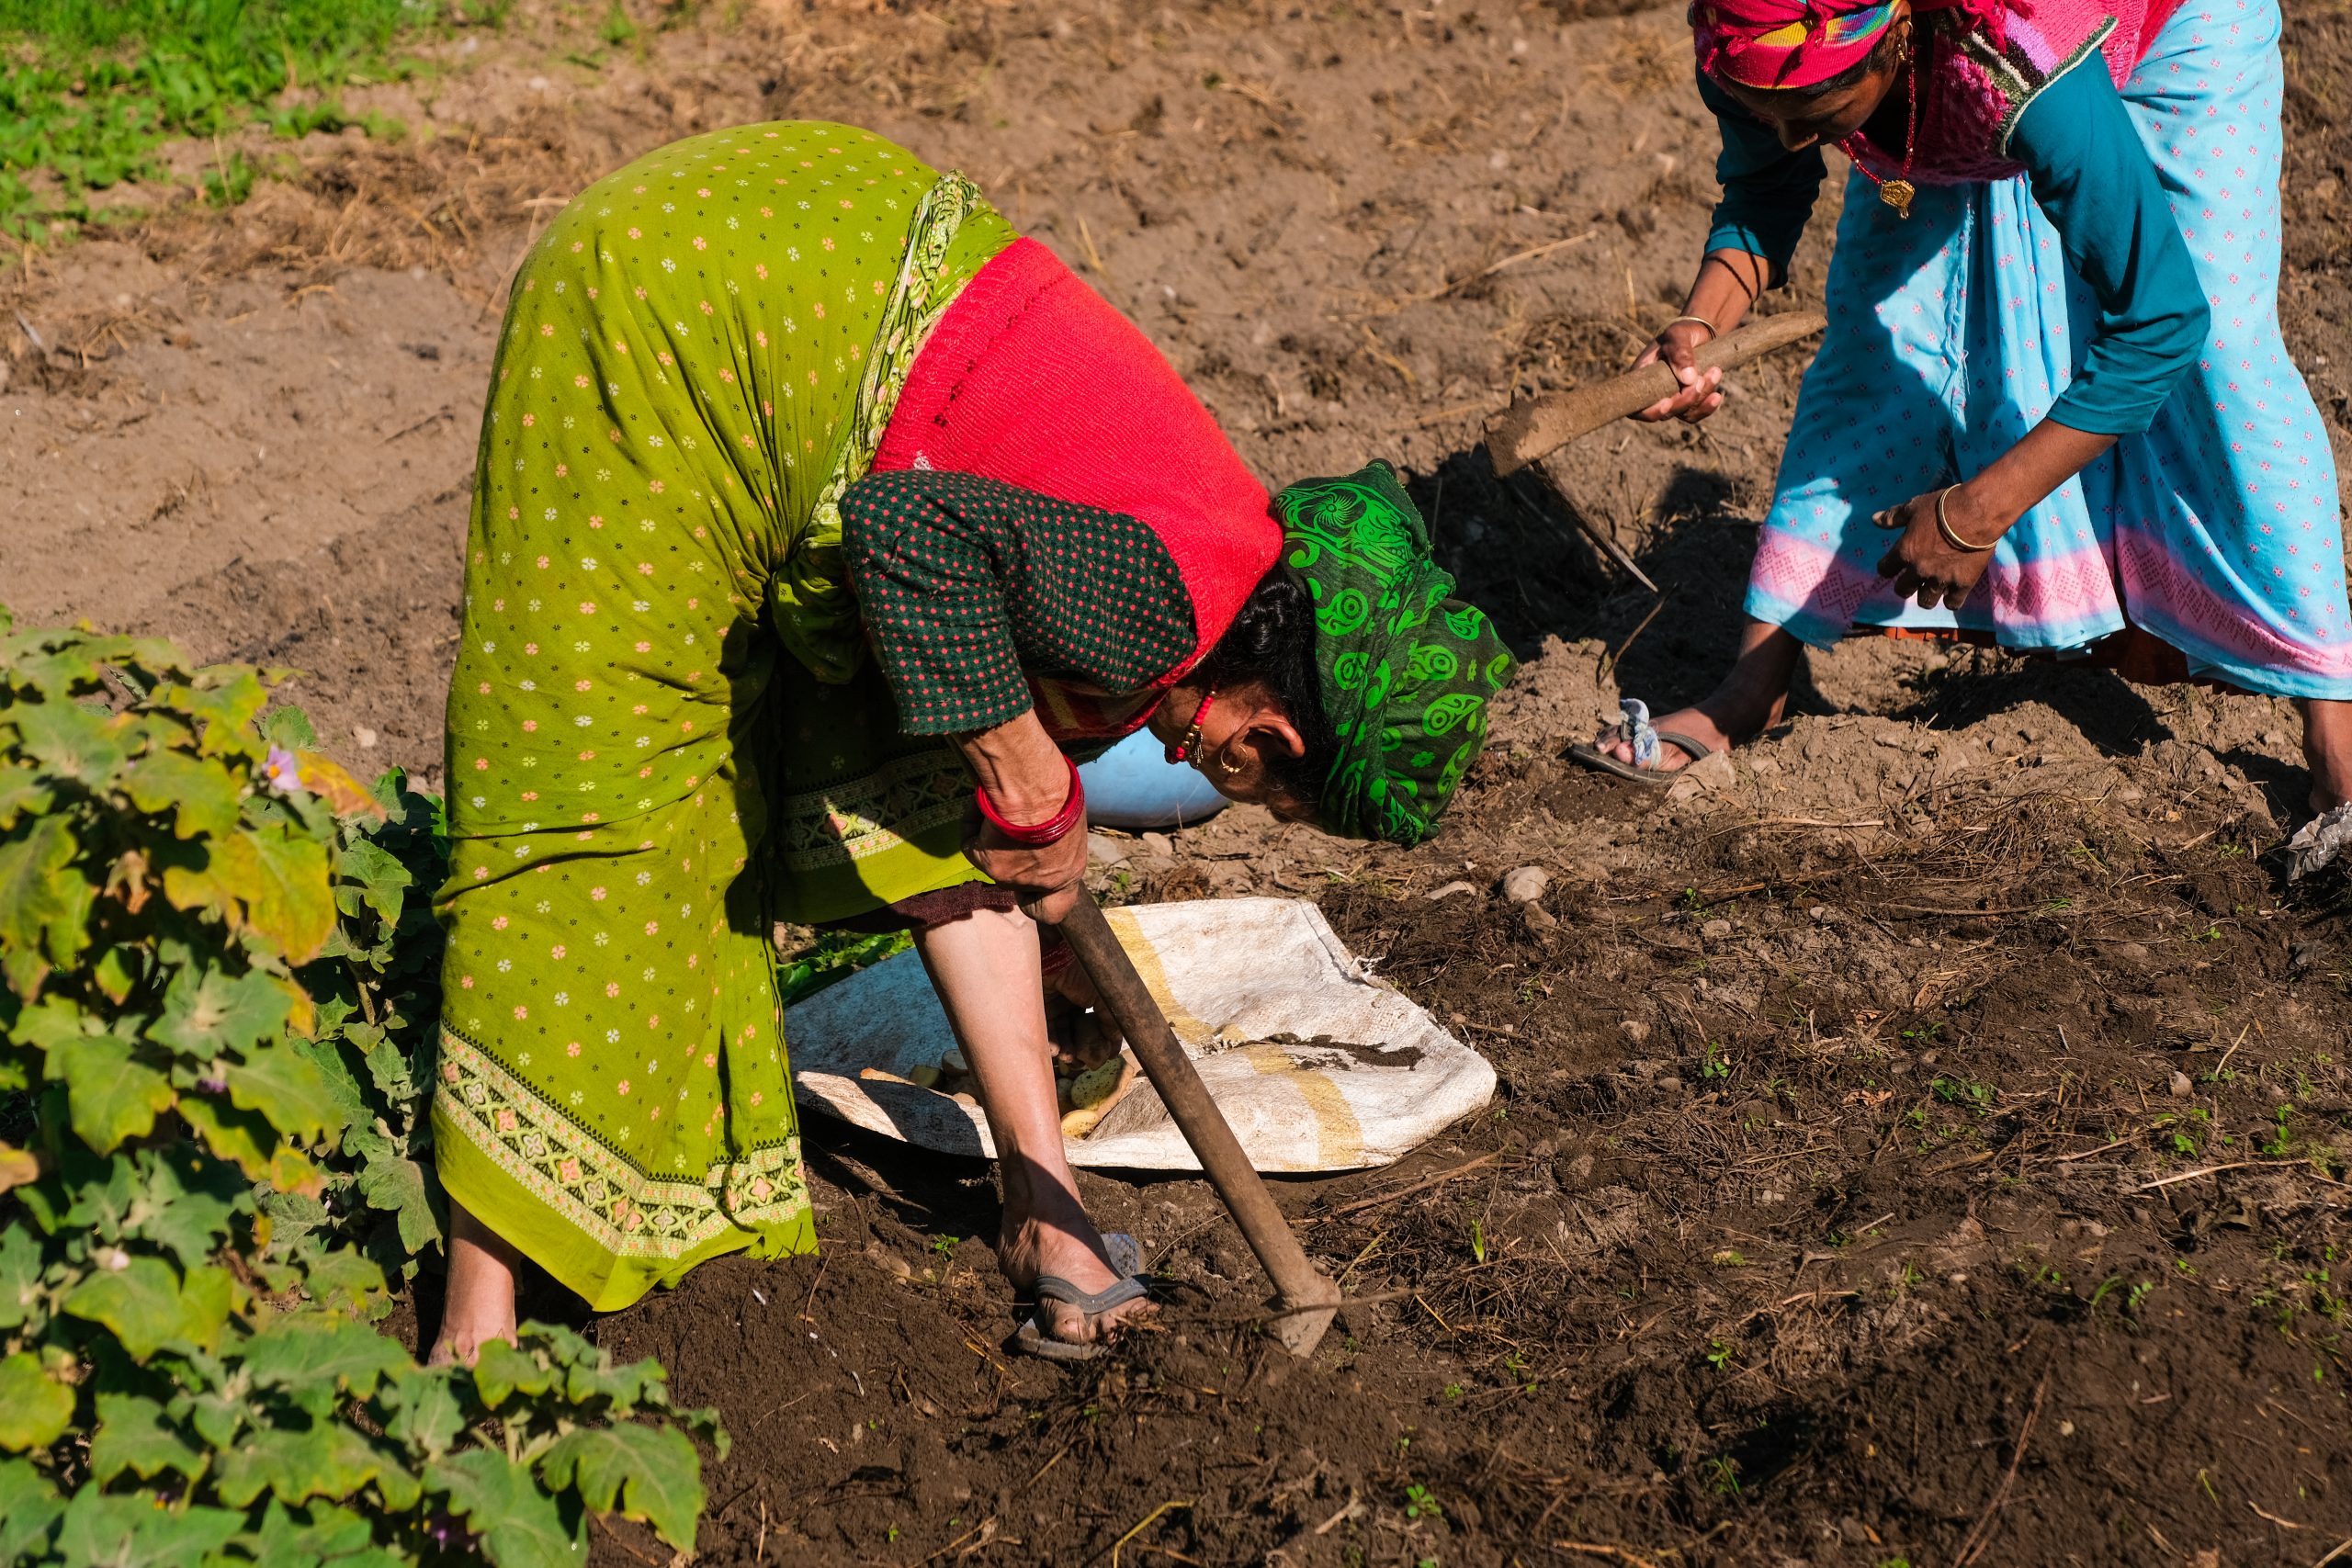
(1107, 1084)
(926, 1078)
(953, 1063)
(1095, 1085)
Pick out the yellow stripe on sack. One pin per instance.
(1338, 1136)
(1146, 958)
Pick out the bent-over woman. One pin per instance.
(2053, 365)
(812, 501)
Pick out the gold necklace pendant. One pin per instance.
(1898, 192)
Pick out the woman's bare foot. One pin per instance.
(1751, 700)
(2327, 746)
(1045, 1231)
(480, 1303)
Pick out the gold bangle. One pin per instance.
(1943, 526)
(1713, 331)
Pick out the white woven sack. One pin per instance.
(1317, 1065)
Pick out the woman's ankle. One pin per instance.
(2327, 751)
(1744, 709)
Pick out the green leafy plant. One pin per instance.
(1715, 1065)
(91, 89)
(188, 928)
(377, 989)
(1421, 1504)
(832, 957)
(1970, 1092)
(2282, 1141)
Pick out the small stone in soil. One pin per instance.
(2180, 1086)
(1526, 885)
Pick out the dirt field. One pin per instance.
(1872, 1179)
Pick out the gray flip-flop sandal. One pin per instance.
(1032, 1339)
(1635, 730)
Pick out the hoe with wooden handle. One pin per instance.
(1535, 428)
(1306, 1299)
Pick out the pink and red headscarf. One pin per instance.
(1800, 43)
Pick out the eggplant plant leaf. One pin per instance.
(645, 1473)
(34, 1407)
(131, 1436)
(147, 1306)
(130, 1531)
(29, 1508)
(44, 903)
(520, 1526)
(288, 1088)
(115, 1095)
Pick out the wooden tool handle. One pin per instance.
(1533, 427)
(1297, 1281)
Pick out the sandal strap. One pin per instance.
(1053, 1287)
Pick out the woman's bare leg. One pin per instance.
(1749, 701)
(985, 968)
(480, 1304)
(2327, 746)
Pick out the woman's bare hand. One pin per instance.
(1046, 876)
(1702, 390)
(1923, 564)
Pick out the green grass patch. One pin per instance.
(90, 89)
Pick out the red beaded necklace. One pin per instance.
(1182, 750)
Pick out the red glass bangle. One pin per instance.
(1035, 835)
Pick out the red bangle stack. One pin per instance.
(1035, 835)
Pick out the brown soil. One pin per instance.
(1841, 1203)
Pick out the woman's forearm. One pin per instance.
(1727, 284)
(1020, 767)
(1986, 506)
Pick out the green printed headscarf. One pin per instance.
(1406, 671)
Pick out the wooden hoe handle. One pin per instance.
(1533, 427)
(1297, 1283)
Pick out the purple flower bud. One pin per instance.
(283, 770)
(213, 1086)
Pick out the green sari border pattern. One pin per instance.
(627, 1212)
